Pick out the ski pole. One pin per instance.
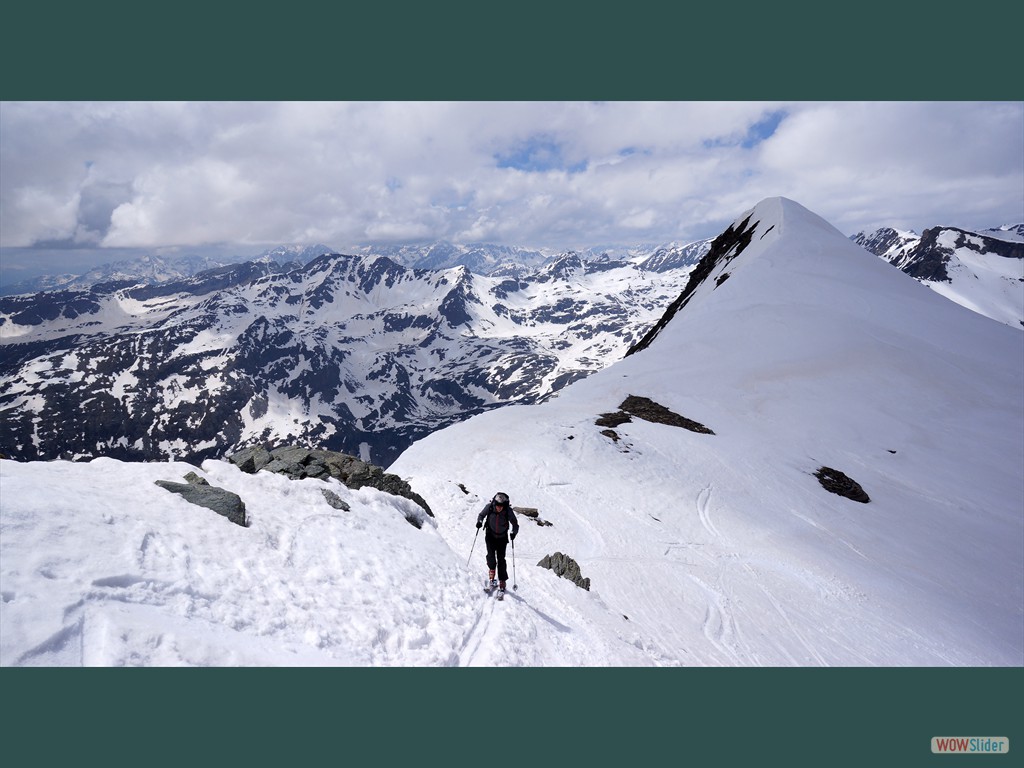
(471, 548)
(515, 586)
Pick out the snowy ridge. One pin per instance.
(983, 271)
(1013, 233)
(809, 355)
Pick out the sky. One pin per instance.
(89, 183)
(702, 550)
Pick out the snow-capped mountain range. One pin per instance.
(513, 261)
(151, 269)
(480, 258)
(983, 271)
(809, 460)
(483, 259)
(354, 353)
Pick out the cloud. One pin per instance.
(906, 164)
(196, 202)
(542, 174)
(36, 214)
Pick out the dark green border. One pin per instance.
(274, 717)
(526, 50)
(457, 49)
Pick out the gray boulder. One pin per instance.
(221, 501)
(292, 469)
(251, 460)
(566, 567)
(335, 500)
(193, 479)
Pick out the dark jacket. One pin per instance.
(498, 523)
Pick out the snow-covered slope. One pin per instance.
(700, 548)
(800, 351)
(99, 566)
(983, 271)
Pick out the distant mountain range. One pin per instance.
(151, 269)
(482, 259)
(983, 271)
(350, 352)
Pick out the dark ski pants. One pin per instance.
(496, 555)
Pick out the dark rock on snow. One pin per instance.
(566, 567)
(198, 491)
(296, 462)
(335, 500)
(834, 481)
(532, 513)
(648, 410)
(724, 248)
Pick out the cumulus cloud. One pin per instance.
(541, 174)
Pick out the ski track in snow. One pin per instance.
(484, 628)
(703, 499)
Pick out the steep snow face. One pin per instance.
(800, 351)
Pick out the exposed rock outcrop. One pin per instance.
(296, 462)
(726, 247)
(531, 513)
(834, 481)
(648, 410)
(566, 567)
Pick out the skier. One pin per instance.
(499, 515)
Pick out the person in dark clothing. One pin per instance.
(499, 517)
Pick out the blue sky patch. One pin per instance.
(760, 131)
(763, 129)
(629, 151)
(537, 154)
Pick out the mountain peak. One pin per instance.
(817, 366)
(761, 226)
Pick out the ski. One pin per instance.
(501, 594)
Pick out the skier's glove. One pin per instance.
(514, 535)
(479, 524)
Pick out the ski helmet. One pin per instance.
(501, 498)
